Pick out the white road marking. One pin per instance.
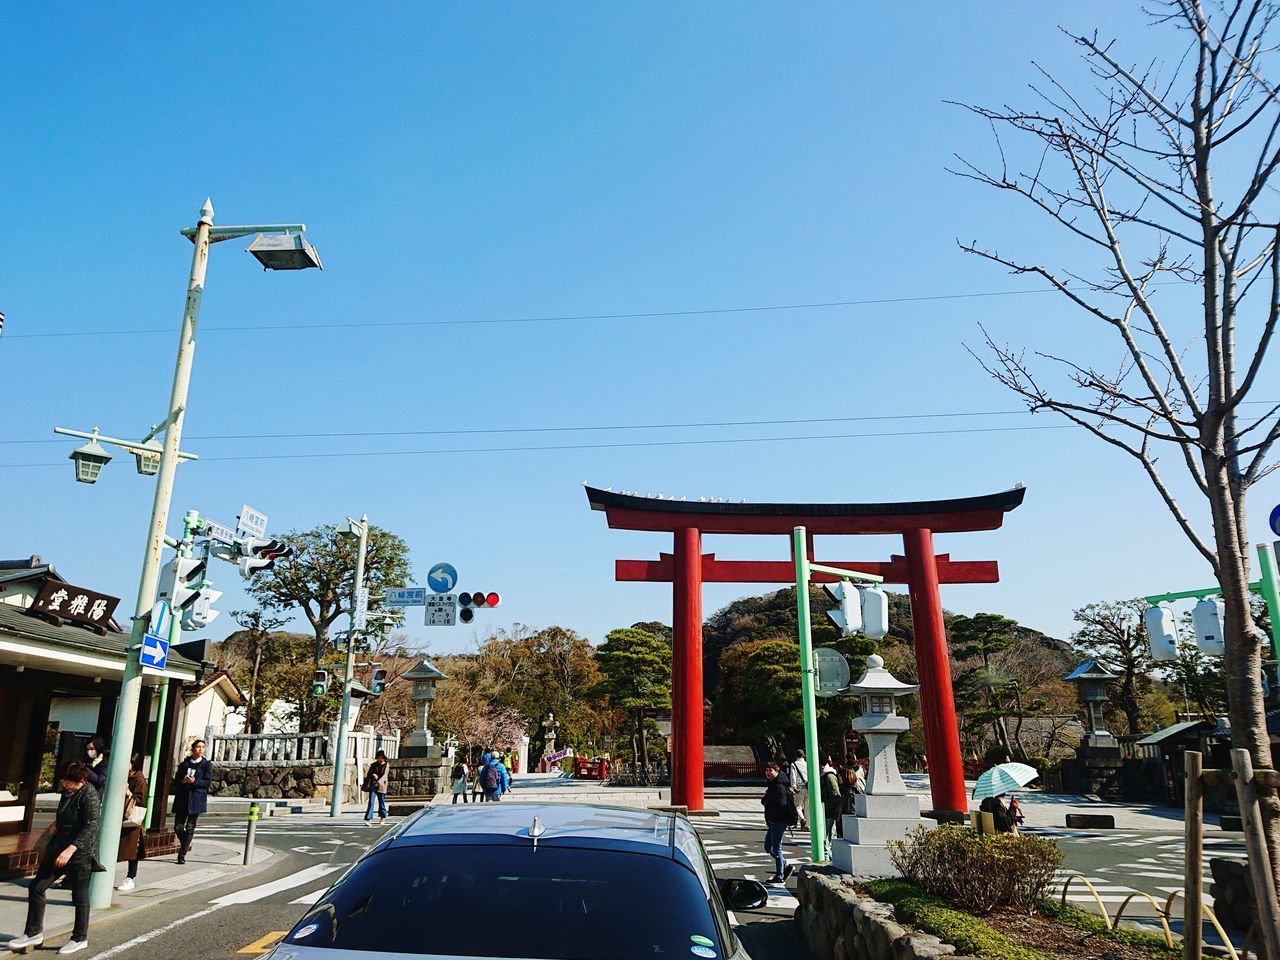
(253, 894)
(310, 898)
(151, 935)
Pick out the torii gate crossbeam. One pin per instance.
(687, 568)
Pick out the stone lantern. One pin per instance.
(424, 678)
(885, 812)
(1091, 681)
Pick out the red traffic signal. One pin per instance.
(492, 599)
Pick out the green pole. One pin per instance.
(817, 817)
(1270, 591)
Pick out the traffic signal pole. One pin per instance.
(805, 569)
(348, 674)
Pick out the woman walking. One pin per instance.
(829, 787)
(779, 814)
(375, 782)
(70, 848)
(190, 796)
(137, 804)
(460, 777)
(94, 758)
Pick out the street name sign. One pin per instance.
(442, 610)
(405, 597)
(442, 578)
(154, 654)
(252, 523)
(361, 613)
(220, 532)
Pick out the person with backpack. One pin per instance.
(829, 787)
(459, 778)
(375, 784)
(798, 775)
(492, 777)
(779, 814)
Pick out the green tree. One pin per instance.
(319, 576)
(637, 677)
(1112, 632)
(999, 696)
(259, 645)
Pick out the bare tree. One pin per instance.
(1126, 165)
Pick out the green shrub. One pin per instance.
(974, 871)
(1082, 920)
(967, 934)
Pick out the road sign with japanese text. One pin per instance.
(442, 610)
(361, 613)
(405, 597)
(252, 523)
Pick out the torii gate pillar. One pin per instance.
(686, 672)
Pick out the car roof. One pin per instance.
(585, 825)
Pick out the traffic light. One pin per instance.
(201, 613)
(180, 581)
(848, 612)
(1207, 617)
(1162, 635)
(378, 682)
(468, 603)
(320, 683)
(257, 554)
(875, 612)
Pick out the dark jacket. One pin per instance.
(97, 772)
(778, 805)
(831, 800)
(191, 798)
(375, 780)
(77, 822)
(999, 814)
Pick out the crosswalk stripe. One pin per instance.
(309, 898)
(254, 894)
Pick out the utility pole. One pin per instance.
(360, 529)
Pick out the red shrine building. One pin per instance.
(687, 568)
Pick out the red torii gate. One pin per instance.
(688, 568)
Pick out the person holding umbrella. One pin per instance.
(993, 788)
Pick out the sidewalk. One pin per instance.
(1041, 809)
(210, 862)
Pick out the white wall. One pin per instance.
(209, 710)
(77, 714)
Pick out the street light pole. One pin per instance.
(360, 529)
(101, 884)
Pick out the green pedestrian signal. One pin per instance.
(320, 683)
(378, 683)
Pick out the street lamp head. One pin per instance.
(350, 528)
(90, 459)
(149, 459)
(287, 251)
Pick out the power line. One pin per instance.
(595, 446)
(651, 315)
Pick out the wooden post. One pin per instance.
(1193, 851)
(1264, 889)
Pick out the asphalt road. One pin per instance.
(247, 916)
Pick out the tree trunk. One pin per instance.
(255, 714)
(1242, 659)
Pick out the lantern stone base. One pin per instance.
(868, 861)
(864, 851)
(859, 830)
(879, 807)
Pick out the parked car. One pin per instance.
(530, 881)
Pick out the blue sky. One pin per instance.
(461, 163)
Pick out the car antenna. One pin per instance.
(536, 830)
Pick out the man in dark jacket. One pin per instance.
(70, 848)
(779, 813)
(191, 796)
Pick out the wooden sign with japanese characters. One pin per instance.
(65, 603)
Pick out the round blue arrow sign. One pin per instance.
(1275, 520)
(442, 578)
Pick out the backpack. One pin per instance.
(489, 778)
(793, 815)
(459, 771)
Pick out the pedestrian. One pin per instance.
(375, 784)
(476, 768)
(460, 775)
(69, 846)
(190, 796)
(492, 778)
(779, 814)
(799, 778)
(94, 758)
(1015, 812)
(829, 792)
(135, 812)
(1001, 819)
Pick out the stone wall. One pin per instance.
(419, 777)
(1232, 891)
(842, 924)
(284, 781)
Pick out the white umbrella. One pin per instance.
(1003, 778)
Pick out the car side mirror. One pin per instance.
(741, 894)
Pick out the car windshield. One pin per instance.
(553, 903)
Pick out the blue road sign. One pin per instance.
(1275, 520)
(405, 597)
(155, 652)
(442, 578)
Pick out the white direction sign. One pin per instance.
(442, 610)
(405, 597)
(252, 523)
(833, 671)
(220, 532)
(360, 615)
